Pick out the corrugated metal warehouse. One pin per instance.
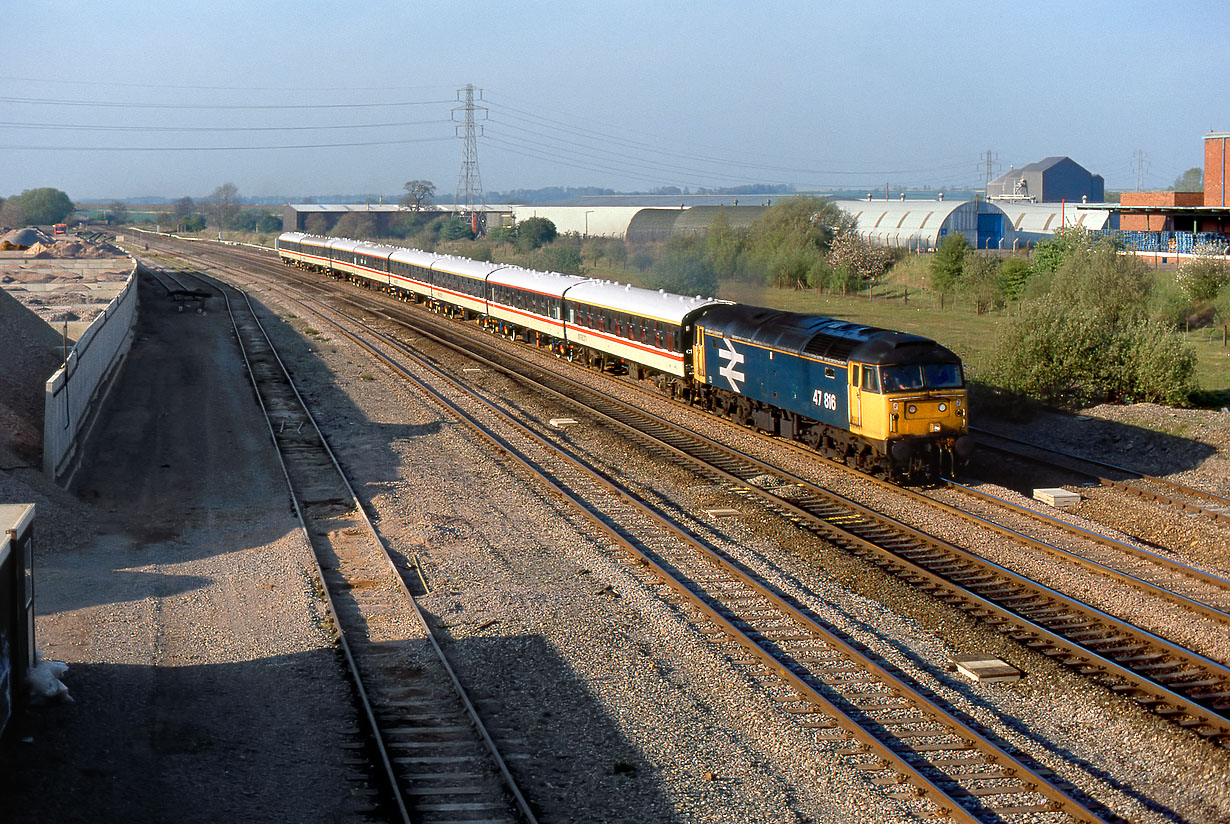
(1049, 181)
(1037, 221)
(922, 224)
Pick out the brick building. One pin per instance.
(1205, 211)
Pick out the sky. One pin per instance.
(128, 99)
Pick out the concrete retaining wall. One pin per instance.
(79, 386)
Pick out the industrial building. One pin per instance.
(1196, 212)
(1051, 180)
(908, 224)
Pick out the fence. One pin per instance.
(75, 388)
(1178, 242)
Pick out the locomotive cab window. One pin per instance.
(943, 376)
(871, 379)
(902, 378)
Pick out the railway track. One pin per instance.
(1174, 682)
(881, 722)
(437, 759)
(1173, 495)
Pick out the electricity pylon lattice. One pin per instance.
(469, 195)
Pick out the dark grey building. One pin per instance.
(1049, 181)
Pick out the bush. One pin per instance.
(863, 260)
(684, 270)
(1221, 304)
(1094, 336)
(1077, 355)
(358, 225)
(980, 281)
(1168, 303)
(1014, 274)
(534, 232)
(455, 228)
(948, 264)
(1203, 276)
(564, 258)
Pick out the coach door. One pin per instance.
(856, 397)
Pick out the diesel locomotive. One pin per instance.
(882, 401)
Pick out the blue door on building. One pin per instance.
(990, 230)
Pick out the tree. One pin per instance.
(269, 223)
(420, 194)
(1190, 181)
(1014, 274)
(564, 258)
(11, 213)
(864, 260)
(724, 247)
(359, 225)
(316, 224)
(684, 270)
(224, 205)
(43, 206)
(183, 207)
(948, 264)
(118, 212)
(454, 228)
(980, 281)
(534, 232)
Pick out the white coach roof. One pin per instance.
(621, 297)
(545, 283)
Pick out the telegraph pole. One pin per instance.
(469, 195)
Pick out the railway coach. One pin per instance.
(882, 401)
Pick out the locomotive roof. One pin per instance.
(621, 297)
(827, 338)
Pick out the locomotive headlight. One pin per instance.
(911, 409)
(943, 407)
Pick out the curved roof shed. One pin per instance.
(921, 224)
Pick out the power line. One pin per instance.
(43, 147)
(38, 101)
(88, 127)
(111, 83)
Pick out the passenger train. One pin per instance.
(884, 402)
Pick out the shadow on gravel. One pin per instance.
(247, 741)
(1140, 450)
(561, 744)
(1022, 727)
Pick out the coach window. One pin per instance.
(871, 379)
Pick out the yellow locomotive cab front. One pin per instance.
(918, 413)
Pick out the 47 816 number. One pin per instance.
(826, 400)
